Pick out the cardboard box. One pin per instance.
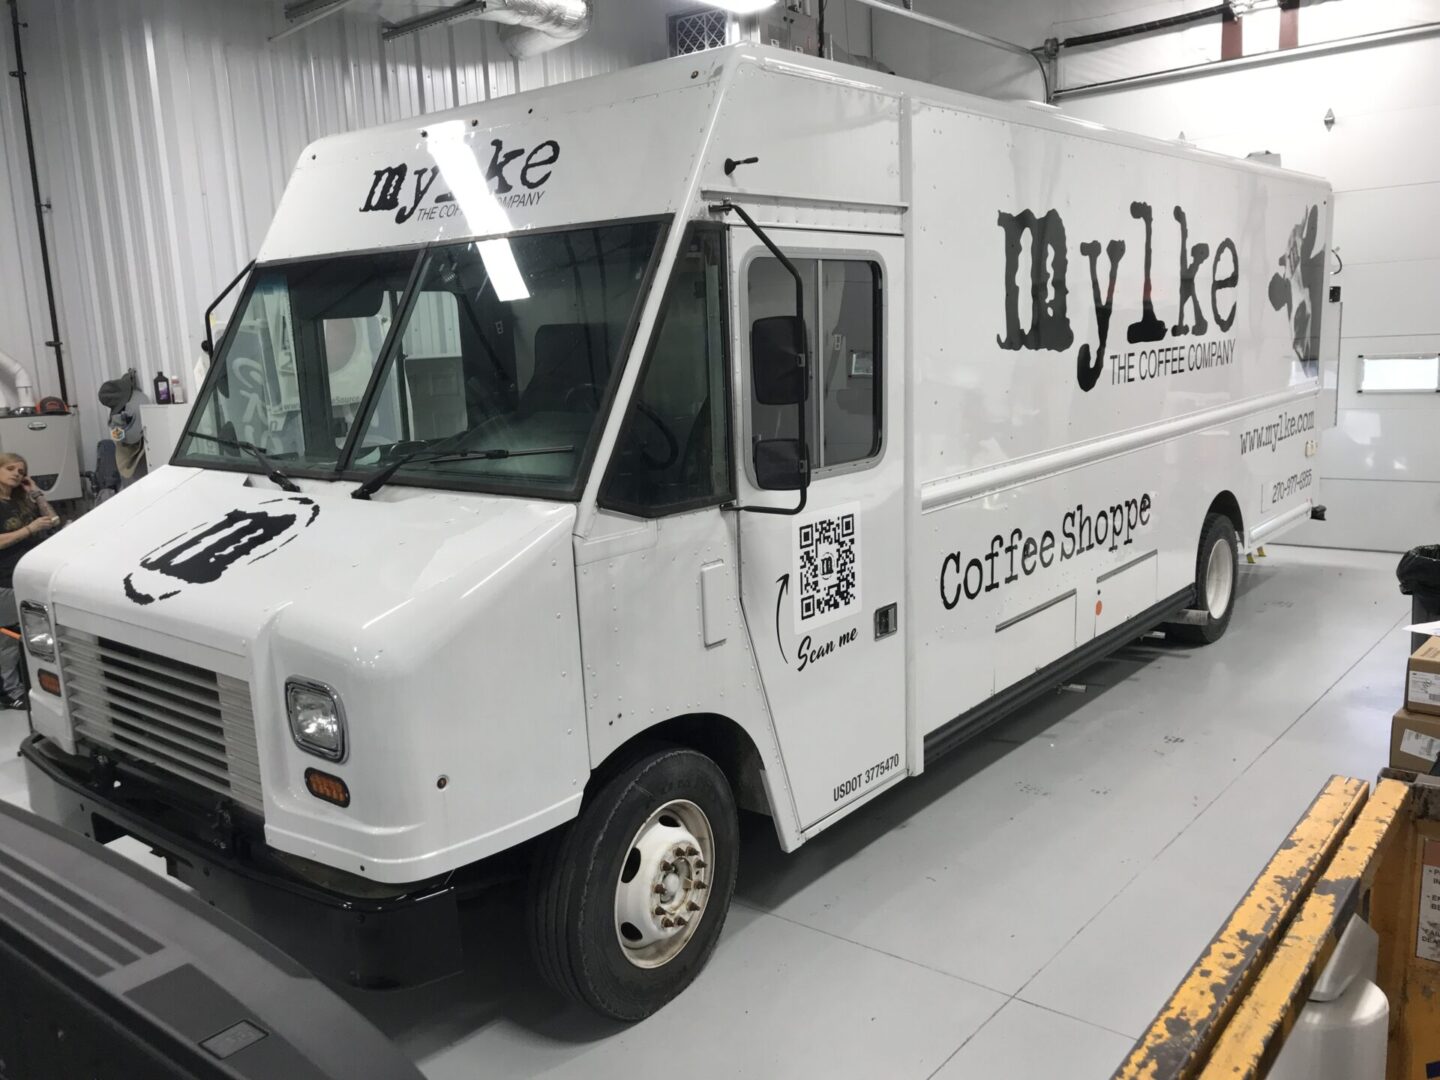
(1422, 679)
(1414, 741)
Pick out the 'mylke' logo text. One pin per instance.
(1049, 327)
(392, 189)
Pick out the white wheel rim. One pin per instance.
(664, 884)
(1219, 580)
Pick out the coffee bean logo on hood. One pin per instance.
(202, 555)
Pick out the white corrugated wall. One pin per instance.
(166, 130)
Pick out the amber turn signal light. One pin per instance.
(330, 788)
(49, 682)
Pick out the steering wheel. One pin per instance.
(580, 388)
(672, 444)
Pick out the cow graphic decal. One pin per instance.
(203, 554)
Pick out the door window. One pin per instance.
(674, 450)
(842, 325)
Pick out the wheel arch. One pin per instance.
(716, 736)
(1225, 503)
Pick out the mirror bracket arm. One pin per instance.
(743, 214)
(209, 344)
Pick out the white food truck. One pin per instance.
(741, 430)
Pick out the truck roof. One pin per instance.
(639, 142)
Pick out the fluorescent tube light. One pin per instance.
(499, 259)
(741, 7)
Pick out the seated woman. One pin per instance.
(25, 518)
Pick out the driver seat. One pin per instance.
(568, 356)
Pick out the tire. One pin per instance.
(657, 842)
(1216, 574)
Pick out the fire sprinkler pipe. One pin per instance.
(19, 75)
(965, 32)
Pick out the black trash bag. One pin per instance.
(1419, 570)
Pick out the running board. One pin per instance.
(1191, 617)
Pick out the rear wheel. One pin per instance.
(627, 902)
(1216, 571)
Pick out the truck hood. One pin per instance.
(213, 557)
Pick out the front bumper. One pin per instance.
(376, 936)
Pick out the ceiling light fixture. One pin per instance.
(741, 7)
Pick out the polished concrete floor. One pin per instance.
(1022, 909)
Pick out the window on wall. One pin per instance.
(698, 30)
(1400, 374)
(842, 324)
(674, 450)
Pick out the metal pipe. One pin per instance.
(531, 27)
(334, 9)
(1218, 67)
(965, 32)
(941, 24)
(1220, 11)
(24, 384)
(19, 74)
(527, 27)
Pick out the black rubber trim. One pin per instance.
(968, 725)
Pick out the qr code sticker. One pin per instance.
(827, 567)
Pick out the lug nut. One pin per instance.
(667, 922)
(666, 866)
(680, 920)
(692, 906)
(679, 851)
(699, 864)
(692, 851)
(701, 885)
(659, 911)
(658, 888)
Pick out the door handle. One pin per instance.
(37, 425)
(887, 620)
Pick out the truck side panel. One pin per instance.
(1105, 339)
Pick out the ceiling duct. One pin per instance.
(527, 27)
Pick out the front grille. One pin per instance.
(190, 722)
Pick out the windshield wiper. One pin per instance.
(273, 471)
(436, 455)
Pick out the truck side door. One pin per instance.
(823, 592)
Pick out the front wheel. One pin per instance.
(627, 901)
(1216, 571)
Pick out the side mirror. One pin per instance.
(780, 465)
(777, 360)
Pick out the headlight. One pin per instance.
(35, 625)
(317, 721)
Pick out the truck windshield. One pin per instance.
(294, 368)
(504, 344)
(508, 345)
